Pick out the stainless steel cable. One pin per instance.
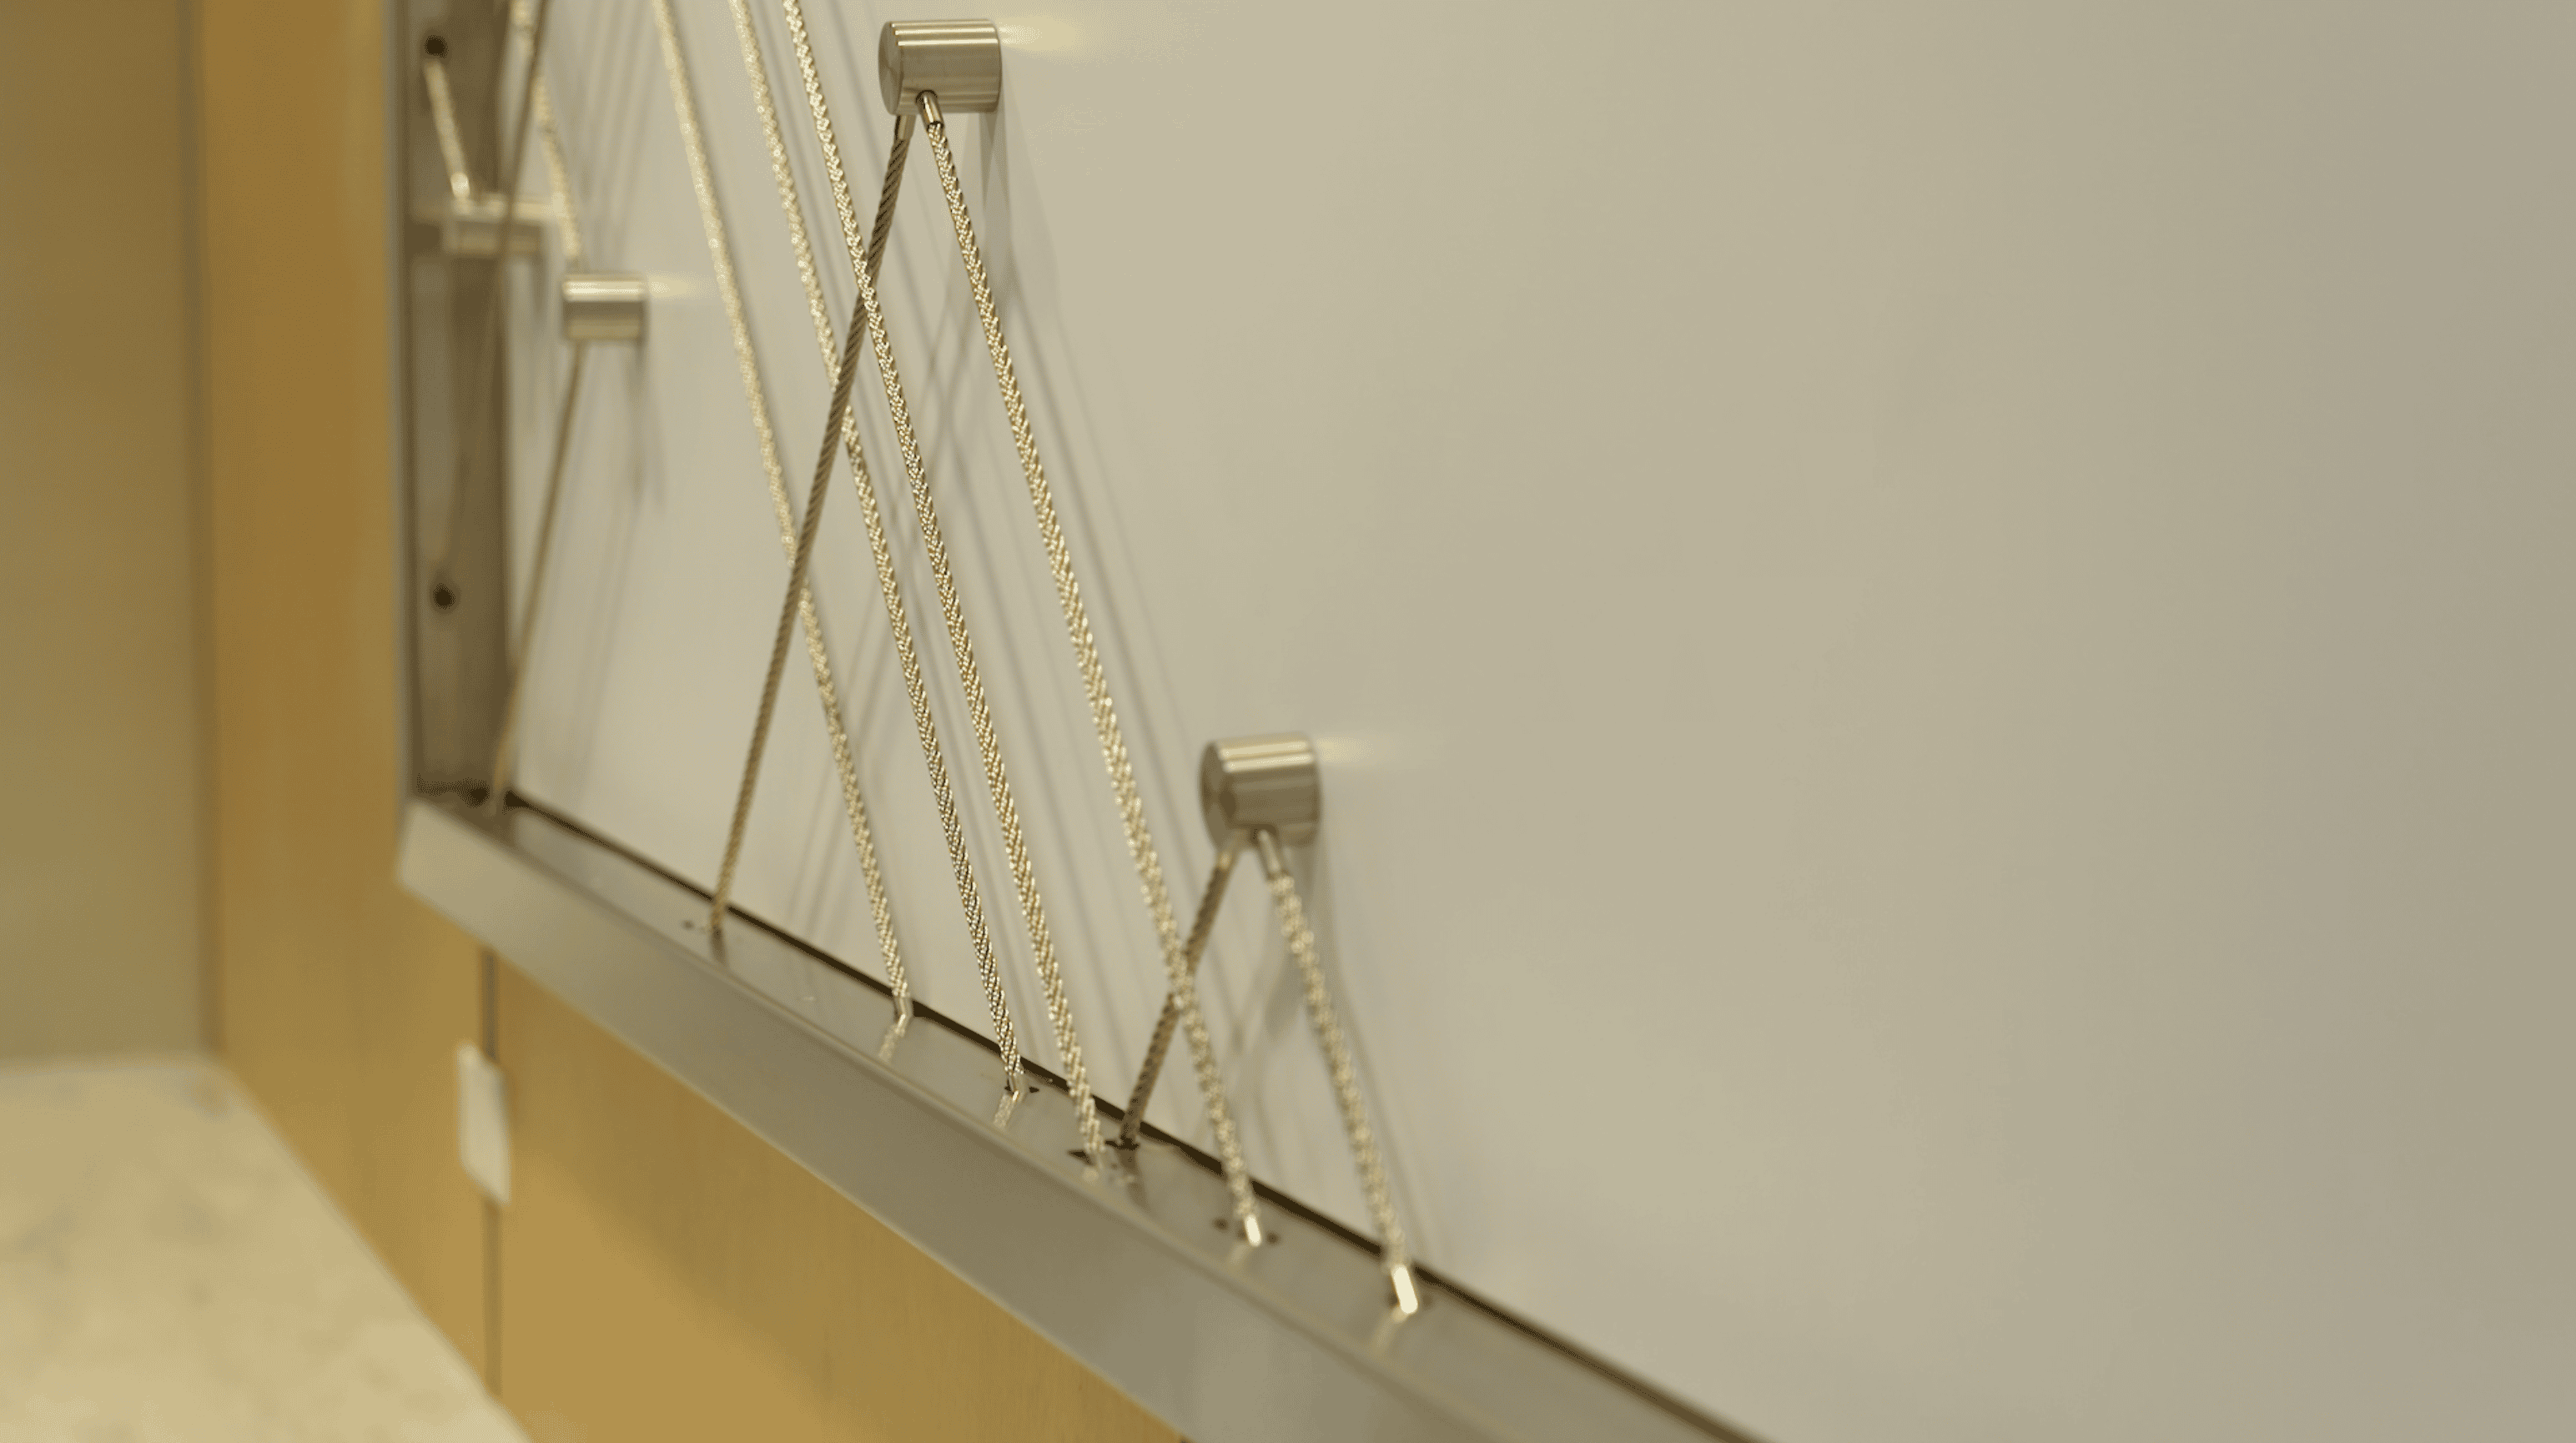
(889, 584)
(550, 137)
(747, 362)
(843, 374)
(979, 712)
(1095, 682)
(479, 398)
(442, 114)
(1211, 900)
(1393, 1253)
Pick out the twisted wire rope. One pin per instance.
(1180, 976)
(815, 495)
(979, 712)
(479, 398)
(1211, 898)
(747, 362)
(1181, 956)
(1394, 1255)
(442, 114)
(889, 584)
(550, 138)
(505, 750)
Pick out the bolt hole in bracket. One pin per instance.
(1217, 1339)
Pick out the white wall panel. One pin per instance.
(1939, 633)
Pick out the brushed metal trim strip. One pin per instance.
(1131, 1272)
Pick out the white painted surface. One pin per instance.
(167, 1272)
(1940, 635)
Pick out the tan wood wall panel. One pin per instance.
(340, 999)
(102, 915)
(666, 1275)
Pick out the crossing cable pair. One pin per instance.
(898, 614)
(945, 48)
(961, 43)
(979, 711)
(684, 103)
(949, 42)
(541, 103)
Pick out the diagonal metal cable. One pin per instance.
(1178, 971)
(1393, 1253)
(747, 361)
(889, 584)
(442, 114)
(961, 642)
(845, 372)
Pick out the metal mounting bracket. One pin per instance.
(604, 307)
(960, 61)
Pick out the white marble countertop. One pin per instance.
(168, 1271)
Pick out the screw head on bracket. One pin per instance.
(600, 307)
(960, 61)
(1250, 784)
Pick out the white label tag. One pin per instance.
(483, 1122)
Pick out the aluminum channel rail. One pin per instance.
(1135, 1274)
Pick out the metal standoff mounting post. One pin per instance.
(1260, 784)
(1248, 784)
(603, 307)
(1261, 794)
(960, 61)
(471, 223)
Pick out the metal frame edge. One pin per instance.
(1280, 1347)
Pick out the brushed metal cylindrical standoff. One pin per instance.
(603, 307)
(960, 61)
(1256, 784)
